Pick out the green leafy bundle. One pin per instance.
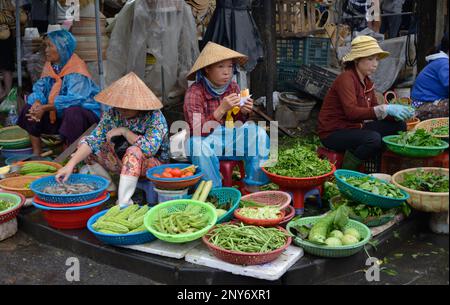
(375, 186)
(420, 180)
(300, 162)
(330, 190)
(363, 211)
(419, 137)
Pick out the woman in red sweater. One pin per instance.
(351, 119)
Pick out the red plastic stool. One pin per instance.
(226, 169)
(331, 155)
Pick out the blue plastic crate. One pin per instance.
(286, 72)
(316, 51)
(295, 52)
(290, 50)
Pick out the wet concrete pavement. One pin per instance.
(422, 259)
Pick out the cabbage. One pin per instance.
(333, 242)
(349, 240)
(336, 233)
(353, 232)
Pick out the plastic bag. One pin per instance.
(97, 169)
(10, 102)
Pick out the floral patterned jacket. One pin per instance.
(151, 128)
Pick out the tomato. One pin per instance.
(157, 175)
(176, 172)
(182, 176)
(189, 174)
(166, 175)
(167, 170)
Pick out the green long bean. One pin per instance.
(248, 239)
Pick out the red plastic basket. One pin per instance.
(241, 258)
(70, 205)
(259, 222)
(280, 198)
(303, 183)
(76, 219)
(8, 215)
(289, 214)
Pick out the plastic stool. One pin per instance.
(226, 169)
(148, 187)
(333, 156)
(316, 192)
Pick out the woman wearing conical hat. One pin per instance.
(135, 117)
(217, 115)
(351, 120)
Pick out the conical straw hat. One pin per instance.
(213, 53)
(129, 92)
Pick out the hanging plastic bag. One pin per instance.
(97, 169)
(10, 102)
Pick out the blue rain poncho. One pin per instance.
(76, 89)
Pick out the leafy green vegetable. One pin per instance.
(360, 210)
(420, 180)
(374, 186)
(216, 202)
(419, 137)
(248, 203)
(5, 205)
(269, 187)
(330, 190)
(299, 162)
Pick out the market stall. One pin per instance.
(312, 214)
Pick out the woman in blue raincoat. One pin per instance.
(62, 101)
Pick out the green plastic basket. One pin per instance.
(372, 221)
(327, 251)
(363, 196)
(174, 206)
(14, 137)
(414, 151)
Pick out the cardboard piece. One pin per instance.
(163, 248)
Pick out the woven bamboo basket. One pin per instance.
(18, 185)
(85, 33)
(430, 124)
(424, 201)
(14, 137)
